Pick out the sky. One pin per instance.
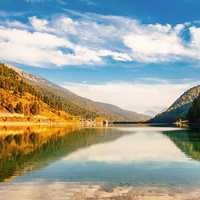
(140, 55)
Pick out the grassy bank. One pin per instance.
(7, 119)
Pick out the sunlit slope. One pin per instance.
(18, 97)
(62, 99)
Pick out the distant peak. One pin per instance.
(18, 70)
(24, 74)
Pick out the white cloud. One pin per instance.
(13, 24)
(38, 24)
(152, 45)
(90, 38)
(37, 39)
(40, 48)
(140, 97)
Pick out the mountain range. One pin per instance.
(28, 94)
(57, 98)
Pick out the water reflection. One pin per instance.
(128, 155)
(24, 149)
(188, 141)
(137, 147)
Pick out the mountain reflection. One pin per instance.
(188, 141)
(24, 149)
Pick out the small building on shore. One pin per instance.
(96, 122)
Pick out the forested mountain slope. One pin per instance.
(59, 98)
(194, 112)
(179, 108)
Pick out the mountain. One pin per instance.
(124, 115)
(19, 100)
(179, 108)
(60, 98)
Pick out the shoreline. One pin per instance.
(13, 123)
(94, 191)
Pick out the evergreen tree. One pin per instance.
(19, 108)
(10, 108)
(35, 108)
(194, 112)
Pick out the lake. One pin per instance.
(58, 163)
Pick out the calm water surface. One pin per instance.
(144, 156)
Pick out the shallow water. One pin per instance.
(161, 157)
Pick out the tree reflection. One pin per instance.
(29, 149)
(188, 141)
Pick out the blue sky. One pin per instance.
(107, 49)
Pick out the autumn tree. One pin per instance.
(19, 108)
(10, 108)
(35, 108)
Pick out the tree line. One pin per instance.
(27, 109)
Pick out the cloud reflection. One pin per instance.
(137, 147)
